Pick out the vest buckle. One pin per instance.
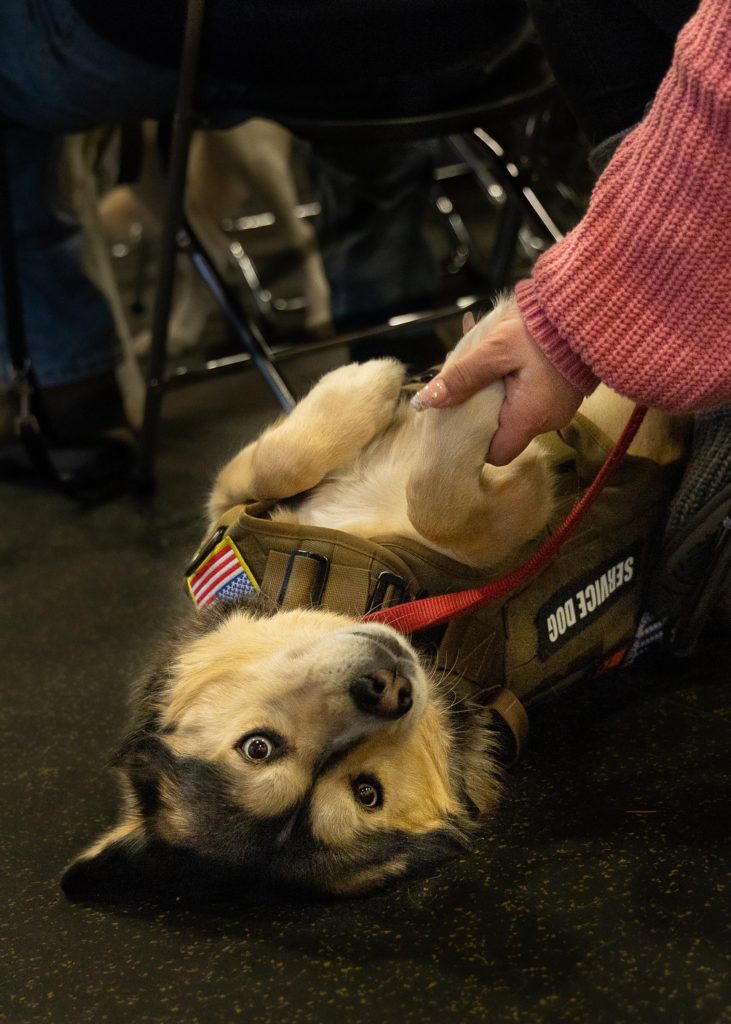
(386, 581)
(318, 583)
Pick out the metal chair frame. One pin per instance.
(470, 140)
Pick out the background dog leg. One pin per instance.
(194, 302)
(344, 411)
(260, 153)
(213, 192)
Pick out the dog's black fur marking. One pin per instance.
(231, 852)
(155, 870)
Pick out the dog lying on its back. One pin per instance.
(306, 747)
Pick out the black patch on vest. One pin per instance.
(579, 603)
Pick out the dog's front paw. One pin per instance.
(369, 380)
(332, 424)
(363, 392)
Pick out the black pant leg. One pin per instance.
(609, 56)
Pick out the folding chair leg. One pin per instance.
(510, 220)
(245, 329)
(183, 122)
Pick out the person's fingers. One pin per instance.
(508, 441)
(537, 397)
(462, 378)
(517, 425)
(535, 402)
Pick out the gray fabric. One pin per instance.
(690, 580)
(708, 470)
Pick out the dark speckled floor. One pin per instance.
(598, 893)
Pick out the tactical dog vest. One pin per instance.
(579, 615)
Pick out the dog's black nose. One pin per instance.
(383, 693)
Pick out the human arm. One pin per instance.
(639, 294)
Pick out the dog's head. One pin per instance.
(297, 748)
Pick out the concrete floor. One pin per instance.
(598, 893)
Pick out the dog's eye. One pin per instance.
(256, 747)
(368, 792)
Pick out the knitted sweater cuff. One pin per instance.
(556, 349)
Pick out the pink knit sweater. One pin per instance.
(639, 294)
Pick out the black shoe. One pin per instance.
(82, 444)
(83, 411)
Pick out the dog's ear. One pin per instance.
(126, 865)
(126, 860)
(133, 862)
(112, 867)
(481, 749)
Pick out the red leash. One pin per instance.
(433, 611)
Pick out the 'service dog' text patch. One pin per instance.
(572, 608)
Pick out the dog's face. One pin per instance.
(298, 748)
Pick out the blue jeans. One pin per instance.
(58, 76)
(376, 202)
(609, 56)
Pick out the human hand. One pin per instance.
(537, 397)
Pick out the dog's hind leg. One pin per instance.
(332, 424)
(479, 513)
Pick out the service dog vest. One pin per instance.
(577, 616)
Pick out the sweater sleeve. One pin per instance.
(638, 295)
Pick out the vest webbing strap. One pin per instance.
(303, 579)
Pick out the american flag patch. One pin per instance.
(223, 575)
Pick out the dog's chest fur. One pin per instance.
(368, 495)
